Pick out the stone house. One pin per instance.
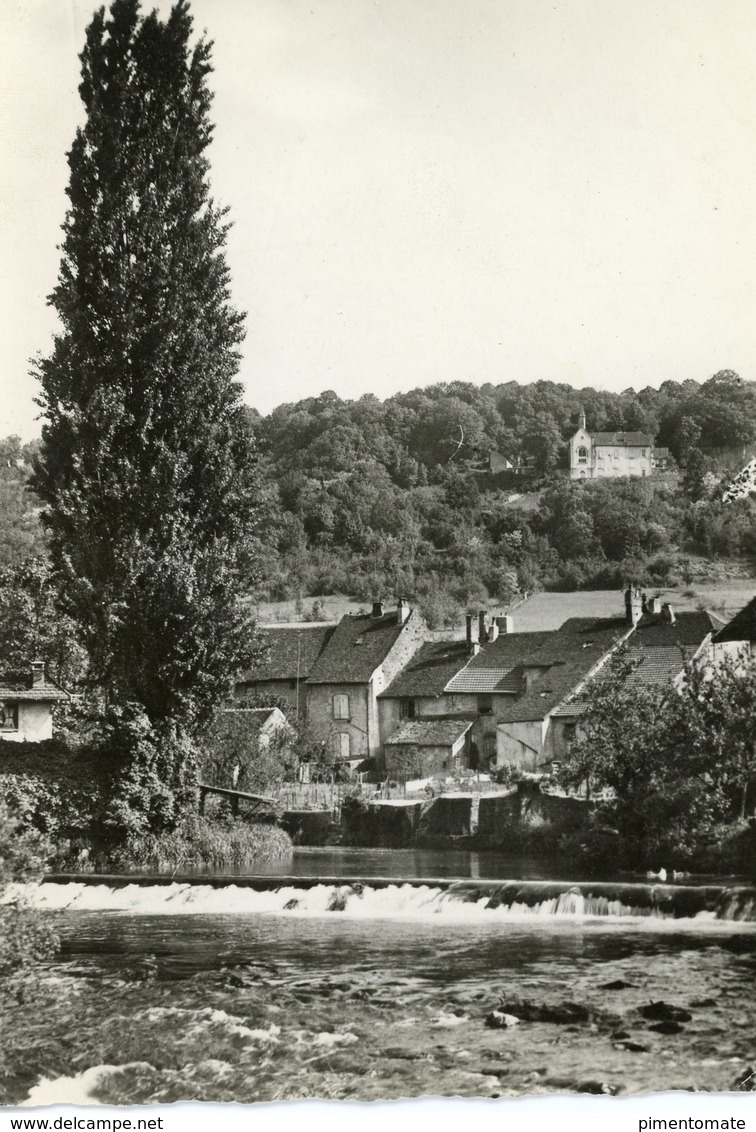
(659, 647)
(26, 705)
(287, 657)
(420, 748)
(521, 692)
(360, 659)
(604, 455)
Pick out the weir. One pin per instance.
(387, 896)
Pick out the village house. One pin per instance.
(361, 658)
(658, 650)
(518, 695)
(26, 705)
(287, 656)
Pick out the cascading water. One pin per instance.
(393, 898)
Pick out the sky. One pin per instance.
(434, 190)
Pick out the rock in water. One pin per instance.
(667, 1027)
(498, 1020)
(562, 1013)
(664, 1012)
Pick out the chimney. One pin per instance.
(668, 614)
(633, 605)
(38, 673)
(655, 605)
(377, 609)
(473, 644)
(482, 631)
(402, 611)
(505, 623)
(493, 629)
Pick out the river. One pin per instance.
(279, 989)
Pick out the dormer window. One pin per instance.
(407, 709)
(582, 454)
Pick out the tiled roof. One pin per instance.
(430, 670)
(13, 687)
(654, 666)
(622, 439)
(571, 652)
(741, 628)
(357, 646)
(688, 629)
(430, 732)
(289, 653)
(498, 665)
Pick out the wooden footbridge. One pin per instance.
(258, 803)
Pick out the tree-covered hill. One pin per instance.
(369, 496)
(375, 497)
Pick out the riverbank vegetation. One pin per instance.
(27, 936)
(202, 843)
(678, 766)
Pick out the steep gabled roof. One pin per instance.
(357, 646)
(622, 439)
(429, 670)
(654, 667)
(430, 732)
(742, 627)
(289, 653)
(571, 652)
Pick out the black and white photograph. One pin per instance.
(378, 559)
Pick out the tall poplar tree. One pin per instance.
(147, 462)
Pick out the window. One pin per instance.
(485, 705)
(341, 707)
(340, 745)
(407, 709)
(582, 454)
(8, 717)
(489, 748)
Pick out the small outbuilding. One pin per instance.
(26, 705)
(422, 748)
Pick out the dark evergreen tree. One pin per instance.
(147, 462)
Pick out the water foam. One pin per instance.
(463, 902)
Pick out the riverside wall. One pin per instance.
(521, 818)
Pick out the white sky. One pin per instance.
(431, 190)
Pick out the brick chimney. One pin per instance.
(377, 609)
(505, 623)
(38, 673)
(402, 610)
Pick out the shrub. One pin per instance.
(198, 842)
(27, 938)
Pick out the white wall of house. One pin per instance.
(35, 723)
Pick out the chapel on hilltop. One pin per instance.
(601, 455)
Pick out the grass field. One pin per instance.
(542, 610)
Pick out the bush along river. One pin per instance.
(356, 976)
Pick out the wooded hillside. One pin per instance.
(376, 497)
